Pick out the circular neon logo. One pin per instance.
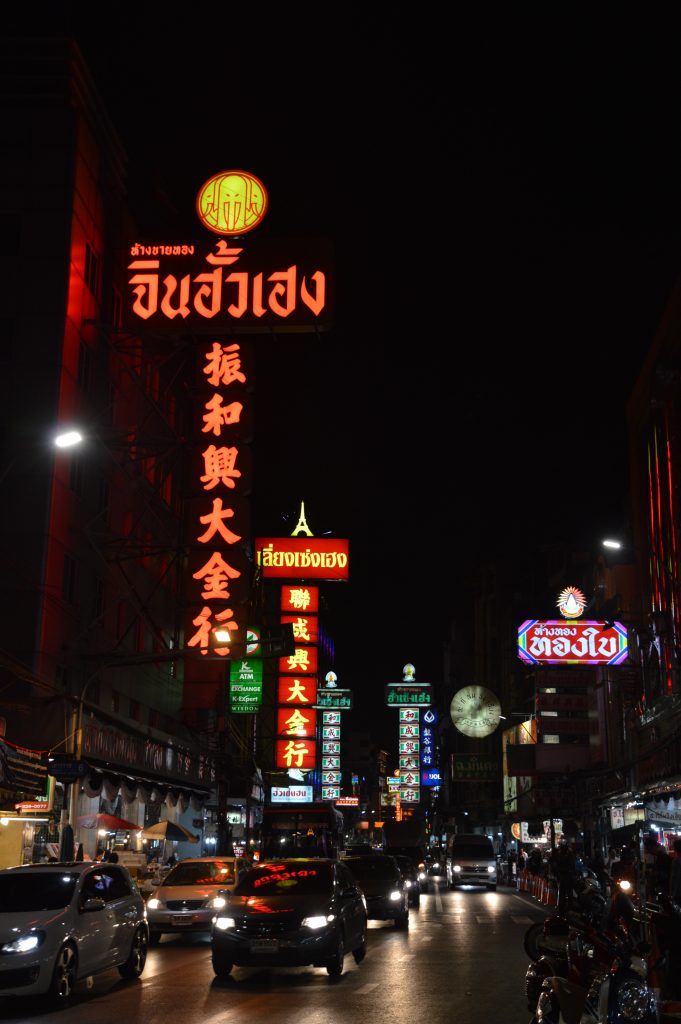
(231, 203)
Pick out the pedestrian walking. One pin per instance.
(657, 866)
(535, 863)
(562, 865)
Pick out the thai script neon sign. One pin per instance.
(577, 643)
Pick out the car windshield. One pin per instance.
(472, 852)
(406, 865)
(34, 891)
(286, 877)
(412, 852)
(215, 872)
(372, 867)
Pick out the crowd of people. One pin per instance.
(659, 868)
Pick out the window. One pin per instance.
(135, 709)
(91, 270)
(103, 497)
(116, 308)
(115, 701)
(100, 592)
(106, 884)
(84, 368)
(62, 677)
(68, 584)
(121, 620)
(76, 475)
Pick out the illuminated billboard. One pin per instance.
(572, 643)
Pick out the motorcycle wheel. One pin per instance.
(531, 940)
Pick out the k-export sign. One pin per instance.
(245, 685)
(572, 643)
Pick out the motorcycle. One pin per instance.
(586, 909)
(603, 981)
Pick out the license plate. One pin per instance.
(183, 919)
(264, 945)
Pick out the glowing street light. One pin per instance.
(68, 439)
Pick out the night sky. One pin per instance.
(503, 197)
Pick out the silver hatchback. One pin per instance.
(63, 922)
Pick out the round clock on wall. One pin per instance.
(475, 711)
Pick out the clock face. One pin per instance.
(475, 711)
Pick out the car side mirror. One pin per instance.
(349, 892)
(156, 881)
(93, 903)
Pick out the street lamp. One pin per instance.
(68, 438)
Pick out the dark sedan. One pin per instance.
(384, 888)
(291, 913)
(411, 880)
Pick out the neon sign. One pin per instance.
(577, 643)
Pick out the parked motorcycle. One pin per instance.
(586, 910)
(603, 981)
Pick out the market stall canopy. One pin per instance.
(107, 821)
(170, 831)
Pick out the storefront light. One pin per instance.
(6, 821)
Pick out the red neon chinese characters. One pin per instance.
(219, 465)
(296, 754)
(223, 365)
(296, 721)
(219, 415)
(305, 628)
(206, 624)
(215, 523)
(216, 574)
(299, 599)
(297, 689)
(303, 659)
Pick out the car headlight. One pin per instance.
(408, 883)
(154, 903)
(624, 884)
(24, 943)
(422, 876)
(456, 867)
(395, 895)
(317, 921)
(224, 923)
(217, 903)
(633, 1000)
(491, 869)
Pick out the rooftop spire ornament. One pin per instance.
(571, 602)
(302, 526)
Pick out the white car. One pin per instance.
(63, 922)
(191, 894)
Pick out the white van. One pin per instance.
(471, 860)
